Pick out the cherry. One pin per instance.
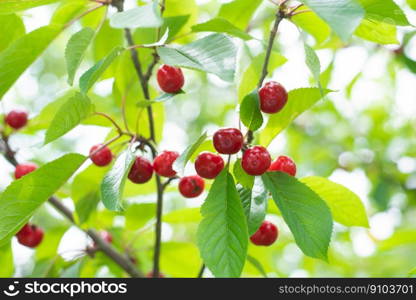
(16, 119)
(256, 161)
(228, 140)
(23, 169)
(191, 186)
(265, 235)
(170, 79)
(101, 156)
(30, 236)
(141, 171)
(106, 236)
(273, 97)
(284, 164)
(163, 163)
(151, 275)
(209, 165)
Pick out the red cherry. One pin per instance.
(191, 186)
(30, 236)
(141, 171)
(284, 164)
(228, 140)
(265, 235)
(273, 97)
(163, 163)
(16, 119)
(170, 79)
(101, 156)
(209, 165)
(151, 275)
(256, 161)
(23, 169)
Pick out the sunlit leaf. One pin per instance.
(145, 16)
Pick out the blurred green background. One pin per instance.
(362, 136)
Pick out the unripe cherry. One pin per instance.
(23, 169)
(170, 79)
(16, 119)
(228, 140)
(273, 97)
(256, 161)
(101, 156)
(30, 236)
(265, 235)
(141, 170)
(284, 164)
(191, 186)
(209, 165)
(163, 163)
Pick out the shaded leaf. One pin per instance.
(250, 113)
(221, 25)
(241, 176)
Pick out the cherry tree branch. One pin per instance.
(122, 260)
(144, 82)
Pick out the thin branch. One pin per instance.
(119, 130)
(299, 12)
(84, 14)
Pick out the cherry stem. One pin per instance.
(118, 128)
(201, 271)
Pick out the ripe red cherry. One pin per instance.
(273, 97)
(209, 165)
(16, 119)
(141, 171)
(170, 79)
(284, 164)
(151, 275)
(30, 236)
(101, 156)
(256, 161)
(265, 235)
(163, 163)
(228, 140)
(191, 186)
(23, 169)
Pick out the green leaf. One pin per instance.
(221, 25)
(256, 264)
(306, 214)
(10, 6)
(299, 101)
(21, 198)
(254, 204)
(86, 206)
(239, 12)
(12, 28)
(6, 261)
(342, 15)
(241, 176)
(313, 63)
(22, 53)
(214, 54)
(412, 4)
(113, 183)
(346, 207)
(180, 163)
(378, 32)
(222, 235)
(146, 16)
(386, 11)
(250, 113)
(412, 272)
(88, 79)
(174, 25)
(75, 50)
(137, 215)
(71, 113)
(313, 25)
